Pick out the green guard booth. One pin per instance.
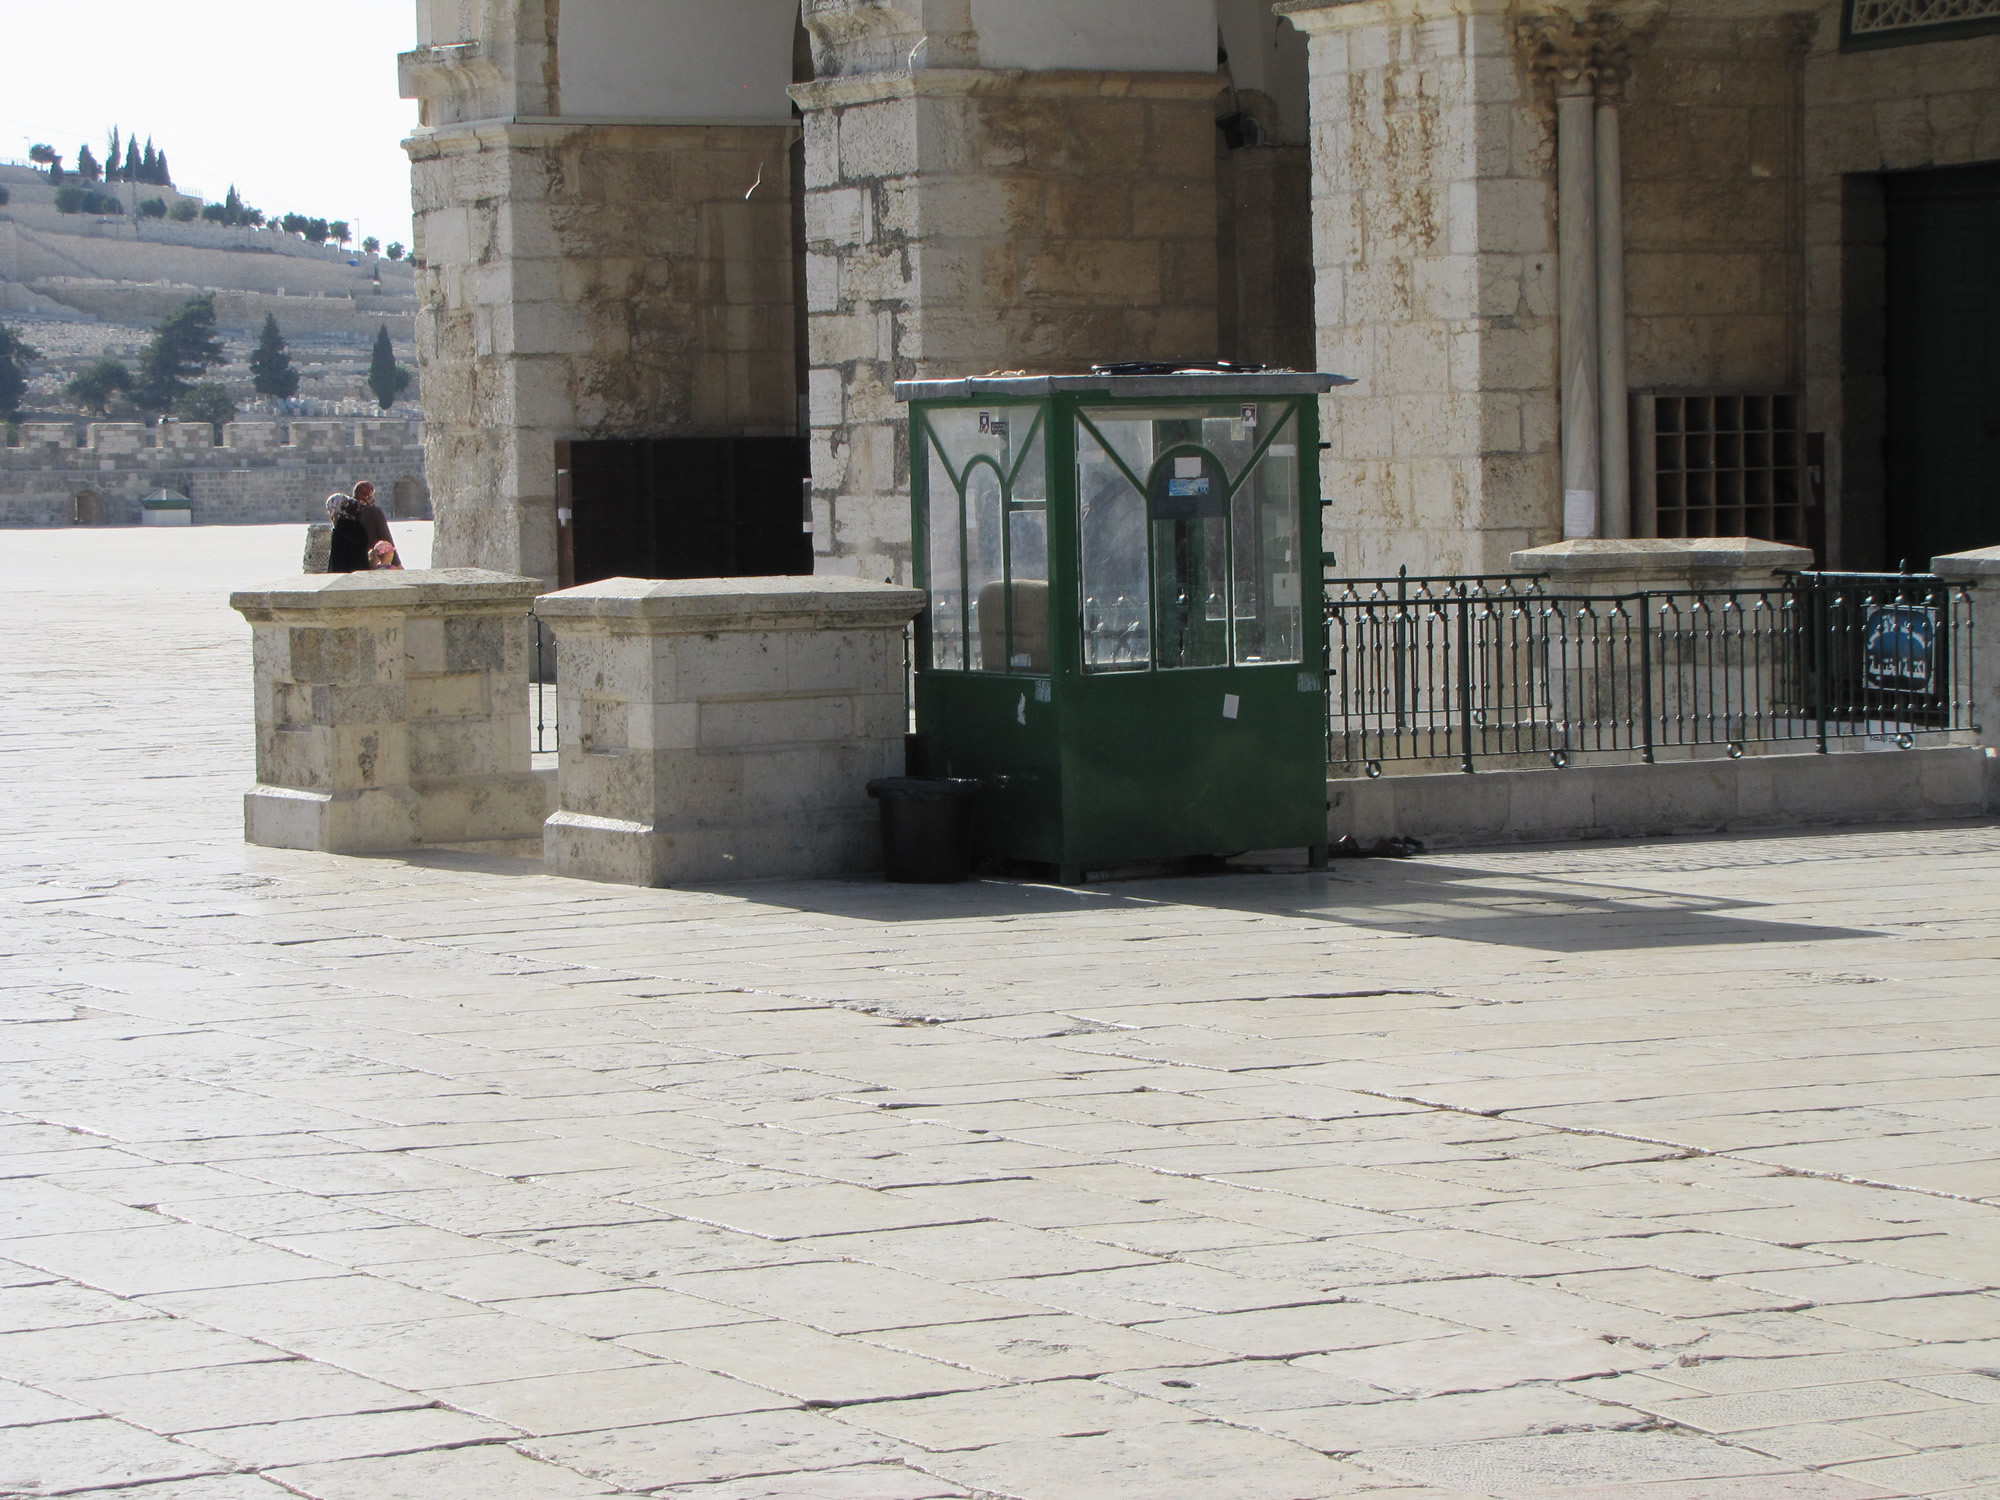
(1124, 644)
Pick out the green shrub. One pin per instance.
(153, 208)
(206, 402)
(78, 200)
(184, 211)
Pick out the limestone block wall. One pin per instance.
(591, 280)
(389, 711)
(1435, 262)
(1711, 137)
(261, 473)
(724, 729)
(1885, 110)
(966, 220)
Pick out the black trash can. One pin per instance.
(926, 828)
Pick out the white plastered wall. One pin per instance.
(683, 60)
(1139, 36)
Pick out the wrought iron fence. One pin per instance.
(1460, 669)
(541, 689)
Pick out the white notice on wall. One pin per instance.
(1230, 703)
(1579, 514)
(1186, 467)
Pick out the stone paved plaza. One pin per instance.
(1665, 1170)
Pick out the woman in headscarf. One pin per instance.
(370, 515)
(349, 552)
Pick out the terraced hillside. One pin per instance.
(81, 286)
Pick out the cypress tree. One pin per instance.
(166, 178)
(149, 164)
(271, 369)
(184, 346)
(13, 383)
(386, 378)
(132, 162)
(114, 159)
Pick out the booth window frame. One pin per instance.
(1059, 419)
(1293, 420)
(926, 441)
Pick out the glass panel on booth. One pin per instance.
(985, 569)
(1269, 581)
(991, 463)
(1111, 544)
(1028, 558)
(1225, 579)
(943, 572)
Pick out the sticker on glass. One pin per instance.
(1230, 703)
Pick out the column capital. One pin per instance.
(1569, 54)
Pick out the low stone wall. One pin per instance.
(390, 713)
(724, 728)
(1454, 810)
(262, 472)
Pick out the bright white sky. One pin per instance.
(294, 102)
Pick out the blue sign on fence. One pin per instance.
(1899, 649)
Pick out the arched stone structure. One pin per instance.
(611, 243)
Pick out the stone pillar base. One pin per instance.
(392, 711)
(836, 842)
(724, 728)
(367, 822)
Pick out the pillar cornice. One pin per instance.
(1312, 16)
(541, 132)
(868, 88)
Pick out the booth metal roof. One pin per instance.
(1191, 383)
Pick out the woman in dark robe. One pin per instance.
(370, 515)
(349, 552)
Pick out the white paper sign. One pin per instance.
(1579, 514)
(1230, 703)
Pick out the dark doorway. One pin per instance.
(684, 508)
(1942, 452)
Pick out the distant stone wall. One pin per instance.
(261, 473)
(240, 312)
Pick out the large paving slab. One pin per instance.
(1662, 1170)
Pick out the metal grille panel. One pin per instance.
(1729, 464)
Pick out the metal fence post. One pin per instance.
(1465, 677)
(1819, 659)
(1646, 676)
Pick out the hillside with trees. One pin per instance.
(99, 268)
